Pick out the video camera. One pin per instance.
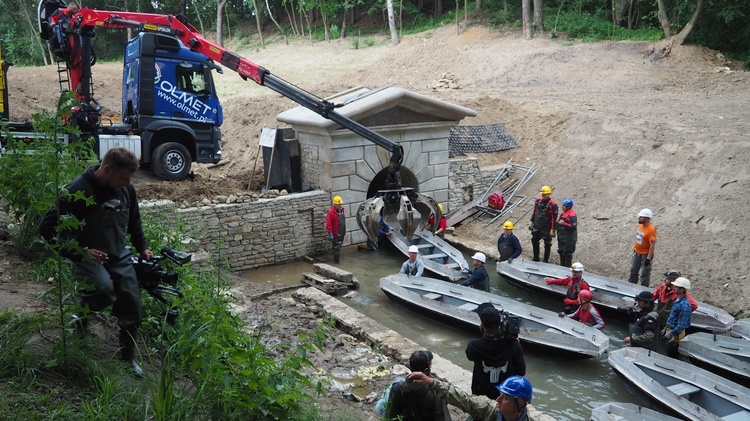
(510, 325)
(152, 277)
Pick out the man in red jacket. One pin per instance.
(336, 227)
(575, 284)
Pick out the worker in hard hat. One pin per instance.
(542, 224)
(643, 250)
(441, 226)
(567, 233)
(336, 227)
(680, 318)
(508, 244)
(587, 313)
(644, 322)
(414, 266)
(478, 278)
(575, 284)
(665, 296)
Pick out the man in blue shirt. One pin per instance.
(679, 319)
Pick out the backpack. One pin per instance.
(496, 201)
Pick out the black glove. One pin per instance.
(664, 331)
(647, 263)
(510, 260)
(561, 314)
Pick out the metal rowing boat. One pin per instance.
(609, 293)
(458, 305)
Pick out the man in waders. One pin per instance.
(336, 227)
(680, 318)
(507, 244)
(567, 233)
(542, 224)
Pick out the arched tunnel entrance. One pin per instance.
(408, 179)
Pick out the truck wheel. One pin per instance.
(171, 161)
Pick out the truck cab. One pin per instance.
(168, 98)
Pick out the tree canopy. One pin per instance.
(723, 24)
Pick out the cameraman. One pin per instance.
(497, 355)
(101, 259)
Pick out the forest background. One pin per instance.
(722, 25)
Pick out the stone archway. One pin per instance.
(408, 179)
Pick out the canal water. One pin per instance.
(566, 389)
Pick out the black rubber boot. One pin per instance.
(535, 248)
(546, 254)
(128, 337)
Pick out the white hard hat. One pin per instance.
(682, 282)
(577, 266)
(413, 249)
(479, 256)
(646, 213)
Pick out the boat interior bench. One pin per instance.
(468, 307)
(434, 256)
(683, 389)
(432, 296)
(742, 415)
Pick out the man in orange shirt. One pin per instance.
(643, 250)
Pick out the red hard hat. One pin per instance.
(585, 295)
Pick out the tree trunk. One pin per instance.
(438, 7)
(219, 22)
(479, 6)
(257, 23)
(392, 23)
(34, 30)
(526, 19)
(663, 20)
(539, 16)
(292, 20)
(270, 15)
(680, 38)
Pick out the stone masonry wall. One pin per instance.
(467, 182)
(253, 234)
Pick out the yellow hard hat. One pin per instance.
(546, 190)
(337, 200)
(440, 206)
(508, 225)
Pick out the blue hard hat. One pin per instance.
(568, 203)
(517, 387)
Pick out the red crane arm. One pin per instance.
(168, 24)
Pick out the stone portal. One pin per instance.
(340, 162)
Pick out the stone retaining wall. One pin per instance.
(253, 234)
